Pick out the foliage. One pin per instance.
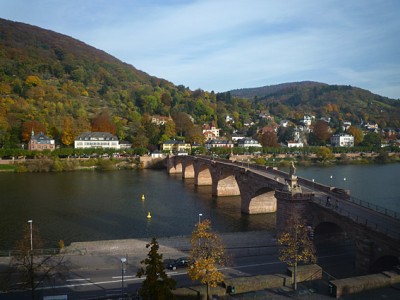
(69, 88)
(324, 153)
(297, 246)
(157, 285)
(372, 139)
(206, 255)
(356, 133)
(269, 139)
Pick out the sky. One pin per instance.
(220, 45)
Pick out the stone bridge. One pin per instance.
(376, 234)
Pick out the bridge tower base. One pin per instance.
(291, 201)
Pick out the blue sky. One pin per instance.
(221, 45)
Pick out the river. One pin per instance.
(90, 205)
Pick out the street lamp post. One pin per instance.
(344, 184)
(313, 183)
(200, 215)
(31, 262)
(123, 261)
(30, 225)
(331, 180)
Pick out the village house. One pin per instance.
(218, 144)
(174, 147)
(249, 142)
(41, 142)
(210, 132)
(93, 140)
(342, 140)
(160, 120)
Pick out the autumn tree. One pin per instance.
(208, 252)
(357, 133)
(296, 245)
(28, 126)
(67, 136)
(29, 267)
(269, 139)
(103, 123)
(320, 132)
(324, 153)
(157, 285)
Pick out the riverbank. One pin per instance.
(236, 243)
(146, 162)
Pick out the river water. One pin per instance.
(90, 205)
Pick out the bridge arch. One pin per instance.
(325, 231)
(202, 175)
(188, 169)
(384, 263)
(261, 201)
(226, 185)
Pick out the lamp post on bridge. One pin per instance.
(344, 184)
(123, 261)
(331, 180)
(200, 215)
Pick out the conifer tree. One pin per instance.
(157, 285)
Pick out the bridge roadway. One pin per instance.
(375, 220)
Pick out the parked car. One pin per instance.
(179, 263)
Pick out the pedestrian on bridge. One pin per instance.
(336, 203)
(328, 201)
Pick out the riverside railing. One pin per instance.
(377, 208)
(359, 219)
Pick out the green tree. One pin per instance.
(208, 252)
(324, 153)
(157, 285)
(372, 139)
(297, 246)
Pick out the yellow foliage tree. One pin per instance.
(67, 137)
(297, 246)
(208, 252)
(33, 80)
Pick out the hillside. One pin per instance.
(61, 82)
(54, 83)
(336, 101)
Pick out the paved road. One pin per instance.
(97, 275)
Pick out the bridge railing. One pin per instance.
(393, 232)
(377, 208)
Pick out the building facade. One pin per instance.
(173, 146)
(93, 140)
(41, 142)
(342, 140)
(249, 142)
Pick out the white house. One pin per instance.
(96, 140)
(342, 140)
(210, 131)
(295, 144)
(248, 142)
(218, 144)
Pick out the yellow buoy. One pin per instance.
(148, 215)
(143, 197)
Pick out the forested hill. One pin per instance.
(337, 101)
(56, 84)
(62, 84)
